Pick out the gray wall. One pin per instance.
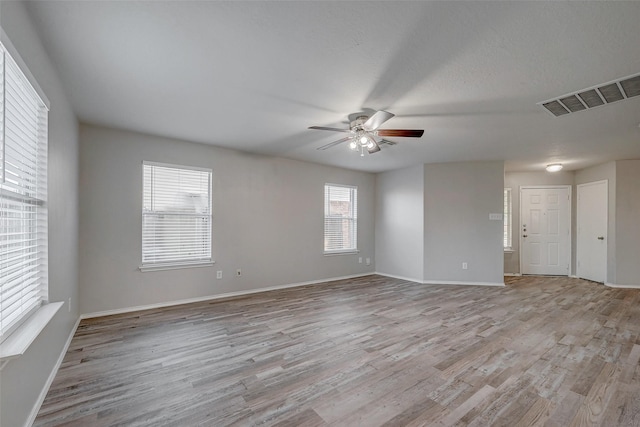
(267, 221)
(627, 267)
(515, 180)
(400, 223)
(458, 198)
(23, 378)
(599, 173)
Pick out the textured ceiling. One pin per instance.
(254, 75)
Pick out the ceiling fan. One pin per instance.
(363, 131)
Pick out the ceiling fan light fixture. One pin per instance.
(364, 130)
(554, 167)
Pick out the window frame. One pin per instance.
(507, 235)
(207, 234)
(353, 199)
(25, 195)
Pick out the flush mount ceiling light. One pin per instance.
(554, 167)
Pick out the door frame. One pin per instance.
(606, 258)
(520, 239)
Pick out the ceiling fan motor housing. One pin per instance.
(357, 123)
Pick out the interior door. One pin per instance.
(592, 214)
(545, 231)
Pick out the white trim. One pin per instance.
(215, 297)
(52, 376)
(441, 282)
(456, 282)
(173, 166)
(393, 276)
(17, 343)
(176, 266)
(614, 285)
(4, 39)
(342, 252)
(512, 274)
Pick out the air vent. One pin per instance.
(596, 96)
(631, 86)
(556, 108)
(572, 103)
(611, 93)
(591, 98)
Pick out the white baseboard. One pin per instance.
(393, 276)
(215, 297)
(441, 282)
(614, 285)
(512, 274)
(52, 376)
(456, 282)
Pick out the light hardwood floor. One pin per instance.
(370, 351)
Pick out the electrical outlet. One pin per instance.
(238, 272)
(464, 266)
(368, 261)
(219, 274)
(360, 260)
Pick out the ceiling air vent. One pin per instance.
(595, 96)
(631, 86)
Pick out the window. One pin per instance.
(23, 196)
(340, 219)
(176, 216)
(507, 218)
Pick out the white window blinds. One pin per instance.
(23, 196)
(340, 218)
(507, 218)
(176, 215)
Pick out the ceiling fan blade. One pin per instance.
(374, 149)
(376, 120)
(331, 129)
(407, 133)
(386, 141)
(331, 144)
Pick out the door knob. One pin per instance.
(600, 237)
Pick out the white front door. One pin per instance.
(591, 251)
(544, 230)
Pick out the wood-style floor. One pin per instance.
(370, 351)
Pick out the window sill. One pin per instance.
(176, 266)
(19, 340)
(347, 252)
(508, 251)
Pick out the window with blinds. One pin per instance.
(176, 215)
(23, 196)
(507, 219)
(340, 218)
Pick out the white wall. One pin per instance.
(627, 267)
(515, 180)
(22, 379)
(267, 221)
(458, 200)
(400, 223)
